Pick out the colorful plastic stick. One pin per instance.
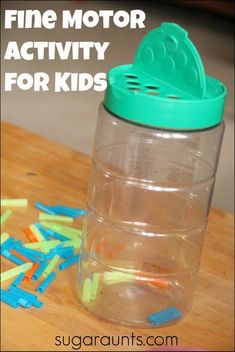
(44, 285)
(57, 235)
(164, 316)
(36, 233)
(39, 271)
(5, 253)
(75, 210)
(66, 253)
(30, 235)
(20, 256)
(4, 237)
(72, 243)
(22, 293)
(42, 244)
(116, 250)
(68, 231)
(117, 276)
(7, 244)
(5, 216)
(31, 253)
(19, 293)
(86, 291)
(14, 202)
(44, 208)
(47, 217)
(69, 262)
(18, 280)
(42, 231)
(8, 299)
(51, 266)
(29, 274)
(94, 285)
(9, 274)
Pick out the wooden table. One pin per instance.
(38, 169)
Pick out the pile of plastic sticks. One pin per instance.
(52, 246)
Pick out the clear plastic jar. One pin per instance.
(149, 197)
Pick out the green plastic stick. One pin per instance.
(4, 237)
(67, 229)
(51, 265)
(14, 202)
(36, 233)
(42, 244)
(9, 274)
(72, 243)
(48, 217)
(62, 229)
(116, 276)
(5, 216)
(86, 292)
(95, 285)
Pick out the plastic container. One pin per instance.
(156, 152)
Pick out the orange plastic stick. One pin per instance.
(30, 235)
(159, 283)
(20, 256)
(119, 247)
(31, 271)
(100, 246)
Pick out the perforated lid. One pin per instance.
(166, 86)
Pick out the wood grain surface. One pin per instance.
(38, 169)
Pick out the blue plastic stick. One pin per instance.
(12, 257)
(44, 285)
(8, 299)
(69, 262)
(31, 257)
(65, 252)
(30, 297)
(31, 252)
(44, 208)
(164, 316)
(40, 270)
(77, 210)
(24, 303)
(43, 231)
(57, 235)
(7, 244)
(22, 293)
(53, 252)
(18, 280)
(73, 212)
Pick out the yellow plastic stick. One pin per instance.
(86, 292)
(36, 233)
(9, 274)
(116, 276)
(62, 229)
(72, 243)
(5, 216)
(14, 202)
(51, 265)
(42, 244)
(48, 217)
(4, 237)
(95, 285)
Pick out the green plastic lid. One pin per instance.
(166, 86)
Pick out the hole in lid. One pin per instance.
(173, 97)
(129, 75)
(134, 83)
(153, 93)
(151, 87)
(134, 89)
